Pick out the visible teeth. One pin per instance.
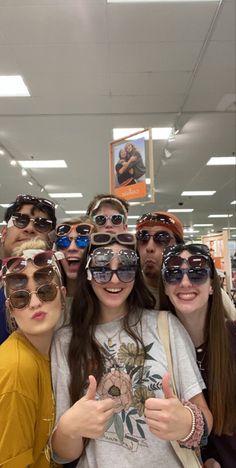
(113, 290)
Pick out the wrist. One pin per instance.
(199, 429)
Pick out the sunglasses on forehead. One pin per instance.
(102, 256)
(102, 275)
(164, 219)
(16, 264)
(64, 242)
(161, 238)
(21, 221)
(31, 199)
(19, 280)
(201, 249)
(105, 238)
(81, 229)
(116, 219)
(45, 293)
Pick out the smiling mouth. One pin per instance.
(113, 290)
(73, 261)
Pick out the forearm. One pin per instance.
(200, 401)
(65, 443)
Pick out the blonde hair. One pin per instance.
(36, 244)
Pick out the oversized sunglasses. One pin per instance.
(19, 280)
(194, 261)
(103, 275)
(105, 238)
(161, 218)
(16, 264)
(161, 238)
(102, 256)
(81, 229)
(195, 249)
(21, 221)
(116, 219)
(81, 242)
(195, 275)
(21, 298)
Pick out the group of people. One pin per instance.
(130, 166)
(92, 373)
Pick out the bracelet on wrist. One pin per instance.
(193, 439)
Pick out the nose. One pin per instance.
(115, 279)
(72, 246)
(150, 246)
(30, 228)
(34, 301)
(185, 282)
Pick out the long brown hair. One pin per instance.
(85, 355)
(221, 378)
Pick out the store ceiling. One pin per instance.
(90, 67)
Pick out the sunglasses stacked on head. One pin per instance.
(199, 264)
(82, 239)
(116, 219)
(101, 257)
(161, 218)
(16, 280)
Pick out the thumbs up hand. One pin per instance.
(88, 417)
(167, 418)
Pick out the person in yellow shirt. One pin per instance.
(35, 298)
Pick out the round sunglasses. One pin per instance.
(116, 219)
(102, 256)
(21, 298)
(21, 221)
(16, 264)
(195, 275)
(19, 280)
(102, 275)
(81, 229)
(81, 242)
(161, 238)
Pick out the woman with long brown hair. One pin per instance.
(113, 398)
(190, 288)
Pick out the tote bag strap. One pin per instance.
(187, 457)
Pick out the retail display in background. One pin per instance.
(220, 252)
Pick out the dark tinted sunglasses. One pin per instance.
(162, 238)
(64, 242)
(116, 219)
(164, 219)
(16, 264)
(195, 249)
(21, 221)
(19, 280)
(81, 229)
(21, 298)
(103, 275)
(195, 275)
(102, 256)
(104, 238)
(195, 261)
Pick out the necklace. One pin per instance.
(200, 361)
(111, 338)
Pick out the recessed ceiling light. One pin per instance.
(233, 202)
(222, 161)
(158, 133)
(220, 216)
(54, 163)
(75, 212)
(13, 85)
(203, 225)
(23, 172)
(30, 182)
(66, 195)
(13, 162)
(198, 193)
(2, 152)
(180, 210)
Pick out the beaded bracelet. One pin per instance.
(193, 439)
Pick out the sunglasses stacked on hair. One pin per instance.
(15, 280)
(199, 264)
(82, 239)
(22, 220)
(101, 257)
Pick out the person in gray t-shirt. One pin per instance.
(114, 403)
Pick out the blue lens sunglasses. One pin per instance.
(64, 242)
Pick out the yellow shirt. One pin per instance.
(26, 405)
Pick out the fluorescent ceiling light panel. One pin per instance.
(180, 210)
(232, 228)
(222, 161)
(13, 85)
(158, 133)
(190, 231)
(158, 1)
(220, 216)
(53, 163)
(66, 195)
(133, 217)
(76, 212)
(134, 203)
(233, 202)
(202, 225)
(198, 193)
(5, 205)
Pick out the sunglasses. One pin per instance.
(101, 257)
(16, 264)
(21, 298)
(164, 219)
(103, 275)
(30, 198)
(81, 229)
(19, 280)
(161, 238)
(105, 238)
(116, 219)
(195, 275)
(64, 242)
(195, 261)
(21, 221)
(195, 249)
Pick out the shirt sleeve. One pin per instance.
(18, 414)
(188, 379)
